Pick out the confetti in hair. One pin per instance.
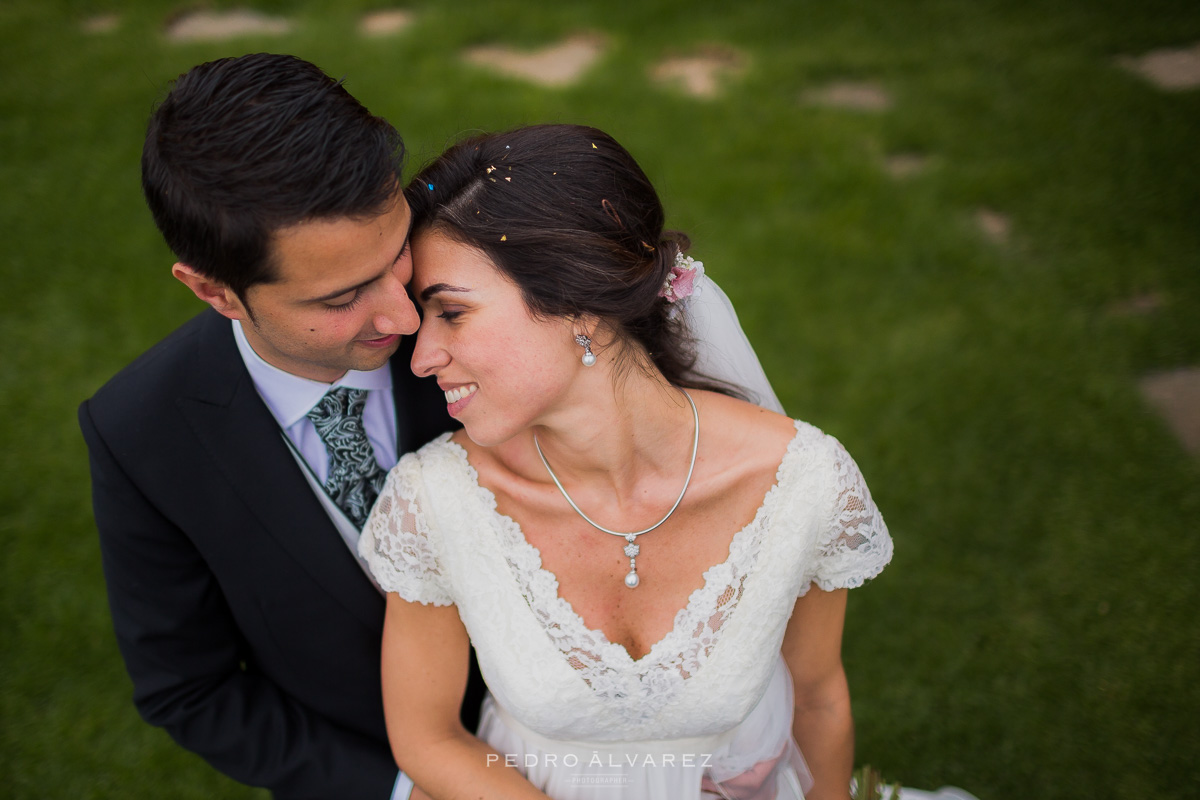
(611, 212)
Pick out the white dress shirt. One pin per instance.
(290, 397)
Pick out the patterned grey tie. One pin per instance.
(355, 477)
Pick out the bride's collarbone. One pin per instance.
(590, 566)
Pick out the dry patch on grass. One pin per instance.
(701, 74)
(995, 227)
(556, 65)
(101, 24)
(1139, 305)
(220, 25)
(1176, 396)
(905, 165)
(1170, 69)
(863, 96)
(385, 23)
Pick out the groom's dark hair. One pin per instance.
(241, 147)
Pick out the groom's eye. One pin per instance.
(344, 303)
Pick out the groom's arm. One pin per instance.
(191, 670)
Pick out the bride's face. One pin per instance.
(501, 368)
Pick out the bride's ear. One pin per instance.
(591, 326)
(216, 293)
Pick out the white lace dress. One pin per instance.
(707, 712)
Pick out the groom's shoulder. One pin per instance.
(155, 377)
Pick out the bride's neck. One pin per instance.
(642, 426)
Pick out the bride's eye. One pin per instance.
(450, 311)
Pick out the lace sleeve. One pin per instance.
(856, 545)
(398, 543)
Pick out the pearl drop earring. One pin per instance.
(589, 358)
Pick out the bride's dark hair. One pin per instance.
(566, 213)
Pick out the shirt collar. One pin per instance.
(290, 397)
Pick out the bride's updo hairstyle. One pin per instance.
(570, 218)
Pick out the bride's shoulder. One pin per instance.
(740, 431)
(740, 435)
(439, 458)
(434, 449)
(743, 420)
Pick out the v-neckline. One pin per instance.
(652, 656)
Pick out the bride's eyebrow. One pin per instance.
(438, 288)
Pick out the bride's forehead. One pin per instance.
(440, 255)
(440, 263)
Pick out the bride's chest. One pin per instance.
(591, 569)
(621, 656)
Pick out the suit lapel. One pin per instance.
(244, 441)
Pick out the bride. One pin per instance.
(652, 571)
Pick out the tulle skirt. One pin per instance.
(756, 760)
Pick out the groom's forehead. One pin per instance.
(322, 254)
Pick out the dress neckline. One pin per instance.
(548, 580)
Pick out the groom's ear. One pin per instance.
(214, 292)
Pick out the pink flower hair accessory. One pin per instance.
(681, 280)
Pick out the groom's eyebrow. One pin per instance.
(341, 292)
(357, 286)
(438, 288)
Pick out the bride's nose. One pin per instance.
(429, 355)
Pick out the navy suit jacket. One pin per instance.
(249, 630)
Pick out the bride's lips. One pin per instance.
(382, 342)
(457, 397)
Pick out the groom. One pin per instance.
(234, 462)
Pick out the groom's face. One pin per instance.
(339, 302)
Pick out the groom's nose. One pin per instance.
(397, 313)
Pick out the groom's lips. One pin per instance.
(382, 342)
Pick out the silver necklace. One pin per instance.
(631, 547)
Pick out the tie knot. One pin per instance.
(337, 405)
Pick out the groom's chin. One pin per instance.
(369, 354)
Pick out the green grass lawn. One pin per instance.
(1036, 634)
